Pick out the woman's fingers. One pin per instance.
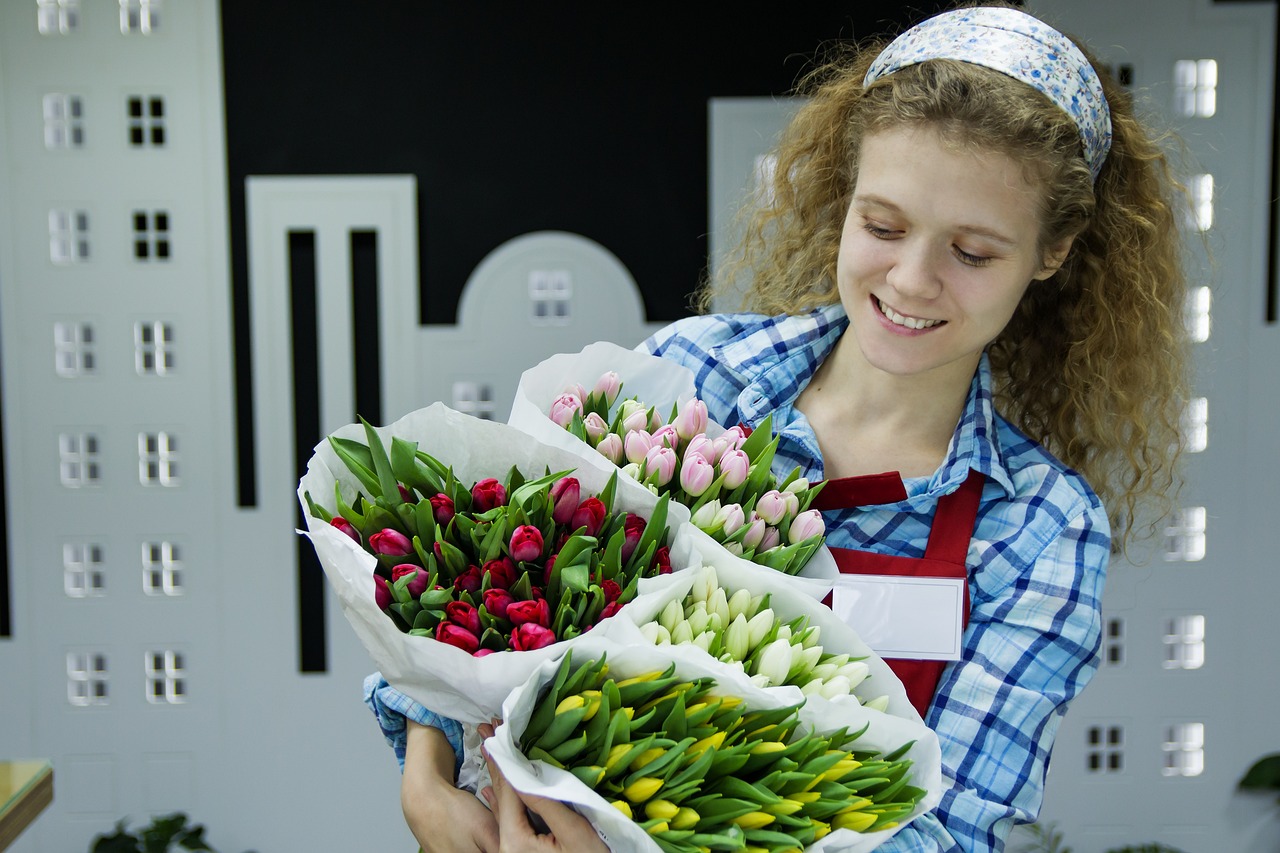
(571, 830)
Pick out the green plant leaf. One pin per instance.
(1264, 775)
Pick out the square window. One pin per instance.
(82, 572)
(86, 678)
(1104, 749)
(139, 16)
(550, 295)
(161, 569)
(1184, 750)
(68, 236)
(1184, 537)
(146, 120)
(157, 459)
(73, 349)
(166, 677)
(151, 235)
(78, 459)
(1195, 87)
(474, 398)
(63, 121)
(153, 348)
(1184, 642)
(57, 17)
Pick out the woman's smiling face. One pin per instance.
(939, 246)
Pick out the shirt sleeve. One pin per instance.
(1030, 648)
(392, 709)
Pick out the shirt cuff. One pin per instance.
(392, 709)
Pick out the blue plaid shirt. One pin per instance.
(1037, 562)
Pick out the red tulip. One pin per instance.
(526, 543)
(381, 592)
(442, 508)
(610, 609)
(487, 494)
(662, 559)
(458, 637)
(502, 573)
(479, 653)
(496, 601)
(590, 514)
(565, 495)
(527, 637)
(418, 585)
(611, 591)
(391, 543)
(633, 530)
(405, 494)
(470, 580)
(464, 615)
(536, 612)
(346, 527)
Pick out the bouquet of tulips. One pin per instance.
(724, 476)
(662, 754)
(495, 565)
(447, 570)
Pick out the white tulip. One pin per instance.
(837, 660)
(631, 470)
(706, 516)
(698, 617)
(760, 680)
(655, 633)
(807, 658)
(734, 548)
(738, 603)
(798, 485)
(715, 623)
(811, 636)
(683, 633)
(784, 632)
(838, 686)
(758, 626)
(880, 703)
(825, 671)
(775, 661)
(736, 638)
(812, 688)
(704, 640)
(671, 615)
(856, 672)
(719, 604)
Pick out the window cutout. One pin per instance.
(1200, 202)
(1113, 643)
(139, 16)
(68, 236)
(1104, 749)
(474, 398)
(157, 459)
(162, 572)
(153, 348)
(63, 121)
(550, 292)
(1197, 314)
(1195, 425)
(146, 121)
(1195, 87)
(1184, 642)
(78, 463)
(86, 678)
(82, 575)
(74, 349)
(1184, 539)
(151, 235)
(166, 676)
(1184, 750)
(58, 17)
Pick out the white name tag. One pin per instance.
(903, 617)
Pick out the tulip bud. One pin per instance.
(737, 639)
(705, 517)
(563, 409)
(798, 485)
(738, 604)
(589, 514)
(418, 585)
(611, 591)
(772, 539)
(471, 580)
(608, 386)
(631, 470)
(856, 671)
(672, 614)
(698, 617)
(792, 502)
(533, 612)
(810, 637)
(691, 419)
(634, 416)
(442, 508)
(636, 445)
(633, 530)
(755, 532)
(496, 602)
(390, 543)
(696, 475)
(655, 633)
(381, 593)
(682, 634)
(702, 446)
(565, 493)
(719, 605)
(526, 543)
(704, 640)
(807, 524)
(464, 615)
(642, 789)
(662, 462)
(457, 637)
(487, 494)
(758, 626)
(880, 703)
(813, 687)
(610, 447)
(771, 507)
(346, 527)
(838, 686)
(530, 636)
(661, 809)
(735, 436)
(662, 560)
(824, 671)
(804, 659)
(775, 661)
(729, 519)
(735, 466)
(734, 548)
(596, 428)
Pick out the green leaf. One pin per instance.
(1264, 775)
(358, 461)
(574, 576)
(382, 466)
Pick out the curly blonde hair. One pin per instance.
(1093, 363)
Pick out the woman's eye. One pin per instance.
(971, 260)
(876, 231)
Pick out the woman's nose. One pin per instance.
(915, 271)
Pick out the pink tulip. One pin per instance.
(565, 494)
(381, 593)
(729, 519)
(696, 475)
(735, 466)
(487, 494)
(663, 461)
(346, 527)
(771, 507)
(418, 585)
(442, 508)
(772, 539)
(390, 543)
(736, 436)
(537, 612)
(755, 532)
(702, 446)
(608, 386)
(563, 409)
(610, 447)
(807, 524)
(464, 615)
(596, 427)
(634, 416)
(457, 637)
(590, 514)
(636, 445)
(479, 653)
(527, 637)
(666, 436)
(792, 502)
(526, 543)
(691, 419)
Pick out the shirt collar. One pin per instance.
(776, 361)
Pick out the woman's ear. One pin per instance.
(1055, 255)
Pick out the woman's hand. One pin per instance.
(441, 817)
(569, 831)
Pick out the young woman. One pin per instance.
(968, 278)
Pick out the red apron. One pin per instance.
(953, 524)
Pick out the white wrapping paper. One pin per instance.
(443, 678)
(884, 733)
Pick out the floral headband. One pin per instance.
(1024, 48)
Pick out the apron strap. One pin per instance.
(953, 521)
(865, 490)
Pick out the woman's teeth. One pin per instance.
(910, 322)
